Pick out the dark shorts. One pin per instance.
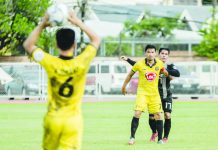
(167, 106)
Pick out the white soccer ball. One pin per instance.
(58, 14)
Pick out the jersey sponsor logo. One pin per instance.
(156, 68)
(150, 76)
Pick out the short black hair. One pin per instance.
(149, 46)
(65, 38)
(162, 48)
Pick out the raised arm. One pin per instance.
(128, 78)
(173, 71)
(95, 40)
(30, 43)
(130, 61)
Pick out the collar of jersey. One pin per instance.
(152, 64)
(65, 57)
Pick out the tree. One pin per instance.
(18, 18)
(207, 2)
(209, 45)
(151, 27)
(148, 27)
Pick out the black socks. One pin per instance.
(167, 127)
(152, 124)
(159, 126)
(134, 126)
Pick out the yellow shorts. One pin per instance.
(62, 132)
(150, 103)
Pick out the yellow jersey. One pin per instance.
(66, 80)
(148, 76)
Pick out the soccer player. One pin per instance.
(147, 93)
(165, 93)
(63, 123)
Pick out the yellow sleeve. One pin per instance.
(161, 64)
(87, 55)
(135, 67)
(41, 57)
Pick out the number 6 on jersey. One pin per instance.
(66, 89)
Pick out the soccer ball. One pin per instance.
(58, 14)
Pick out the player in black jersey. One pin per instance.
(165, 93)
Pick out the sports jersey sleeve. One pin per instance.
(87, 55)
(135, 67)
(161, 64)
(41, 57)
(130, 61)
(173, 71)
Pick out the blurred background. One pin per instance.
(188, 27)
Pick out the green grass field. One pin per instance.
(107, 127)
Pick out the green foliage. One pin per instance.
(18, 18)
(117, 49)
(209, 45)
(114, 49)
(139, 50)
(207, 2)
(47, 40)
(151, 27)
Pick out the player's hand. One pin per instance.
(73, 18)
(45, 21)
(165, 72)
(124, 92)
(123, 58)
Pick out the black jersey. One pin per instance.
(164, 83)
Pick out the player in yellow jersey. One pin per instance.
(148, 97)
(63, 123)
(165, 93)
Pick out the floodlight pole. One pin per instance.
(83, 9)
(213, 14)
(214, 2)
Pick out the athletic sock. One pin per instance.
(159, 125)
(134, 126)
(152, 124)
(167, 127)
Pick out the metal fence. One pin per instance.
(20, 80)
(134, 47)
(105, 79)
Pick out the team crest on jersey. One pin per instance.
(150, 76)
(157, 68)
